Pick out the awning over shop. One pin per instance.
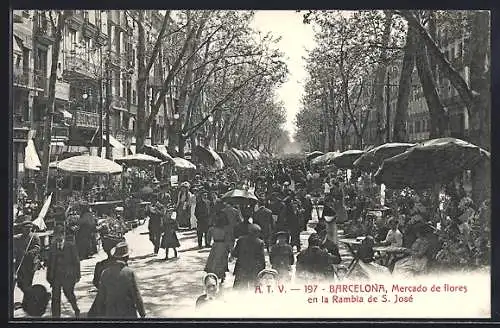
(163, 150)
(209, 156)
(16, 47)
(65, 113)
(31, 159)
(156, 152)
(114, 143)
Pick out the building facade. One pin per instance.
(454, 45)
(96, 77)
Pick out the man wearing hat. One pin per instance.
(264, 218)
(202, 214)
(155, 213)
(119, 296)
(249, 251)
(314, 262)
(281, 256)
(26, 254)
(63, 271)
(87, 225)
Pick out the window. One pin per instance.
(417, 126)
(88, 47)
(460, 50)
(72, 40)
(134, 97)
(116, 81)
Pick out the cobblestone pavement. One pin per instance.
(166, 286)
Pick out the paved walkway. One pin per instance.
(166, 286)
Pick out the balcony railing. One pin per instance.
(60, 133)
(30, 79)
(84, 119)
(80, 65)
(44, 30)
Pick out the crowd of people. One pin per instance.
(288, 194)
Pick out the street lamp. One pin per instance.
(176, 116)
(85, 96)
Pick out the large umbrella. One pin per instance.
(345, 159)
(209, 156)
(324, 159)
(314, 154)
(183, 163)
(138, 160)
(230, 158)
(156, 152)
(240, 196)
(429, 163)
(238, 153)
(86, 164)
(374, 157)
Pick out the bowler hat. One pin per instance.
(120, 251)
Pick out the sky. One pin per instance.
(296, 38)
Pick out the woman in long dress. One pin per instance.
(169, 239)
(217, 262)
(183, 205)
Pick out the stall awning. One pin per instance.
(65, 113)
(114, 142)
(163, 150)
(31, 159)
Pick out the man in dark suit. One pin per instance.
(234, 218)
(202, 213)
(263, 217)
(314, 262)
(63, 271)
(281, 256)
(249, 252)
(119, 296)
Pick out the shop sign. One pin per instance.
(62, 91)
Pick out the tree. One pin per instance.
(57, 24)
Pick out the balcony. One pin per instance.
(88, 120)
(119, 103)
(76, 19)
(60, 133)
(82, 66)
(44, 32)
(115, 59)
(20, 129)
(89, 29)
(30, 79)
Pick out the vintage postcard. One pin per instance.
(250, 164)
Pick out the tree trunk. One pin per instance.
(478, 60)
(140, 133)
(446, 68)
(438, 118)
(51, 102)
(378, 88)
(401, 117)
